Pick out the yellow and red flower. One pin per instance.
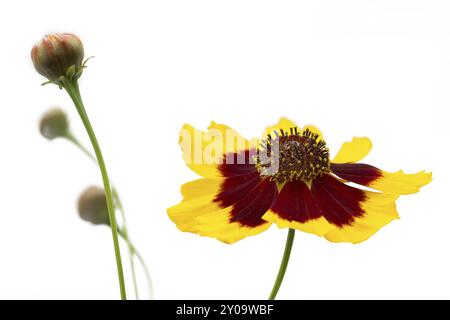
(286, 178)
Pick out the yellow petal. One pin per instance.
(204, 151)
(199, 213)
(380, 209)
(354, 150)
(400, 182)
(217, 225)
(200, 188)
(184, 213)
(318, 226)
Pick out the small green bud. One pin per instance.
(54, 124)
(92, 206)
(58, 55)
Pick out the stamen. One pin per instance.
(293, 156)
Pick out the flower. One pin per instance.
(92, 206)
(58, 56)
(286, 178)
(54, 124)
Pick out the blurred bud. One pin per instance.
(92, 206)
(54, 124)
(58, 55)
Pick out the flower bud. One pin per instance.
(54, 124)
(92, 206)
(58, 55)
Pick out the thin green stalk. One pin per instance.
(74, 92)
(133, 269)
(75, 141)
(146, 272)
(131, 249)
(125, 235)
(141, 260)
(284, 264)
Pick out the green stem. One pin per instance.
(141, 260)
(75, 141)
(284, 264)
(131, 248)
(74, 92)
(146, 272)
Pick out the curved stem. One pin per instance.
(125, 235)
(69, 136)
(131, 249)
(74, 92)
(146, 272)
(133, 269)
(284, 264)
(141, 260)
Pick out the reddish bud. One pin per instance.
(58, 55)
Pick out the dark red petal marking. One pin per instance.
(249, 210)
(359, 173)
(237, 163)
(235, 187)
(295, 203)
(340, 203)
(248, 195)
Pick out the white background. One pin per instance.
(367, 68)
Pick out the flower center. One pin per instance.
(293, 156)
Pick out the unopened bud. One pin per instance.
(54, 124)
(92, 206)
(57, 56)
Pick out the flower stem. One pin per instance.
(74, 92)
(124, 234)
(131, 250)
(69, 136)
(140, 258)
(284, 264)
